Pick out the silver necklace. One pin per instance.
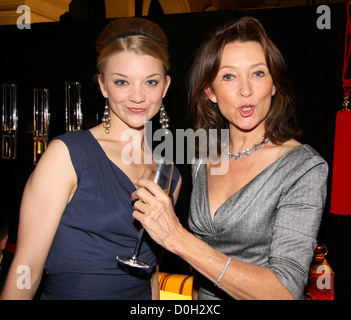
(247, 152)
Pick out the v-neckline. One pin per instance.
(111, 162)
(243, 187)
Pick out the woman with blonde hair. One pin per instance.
(76, 211)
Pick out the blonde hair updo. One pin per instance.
(138, 35)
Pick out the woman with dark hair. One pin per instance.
(76, 211)
(254, 226)
(280, 122)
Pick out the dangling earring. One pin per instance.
(106, 118)
(163, 118)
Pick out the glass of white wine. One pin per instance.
(160, 171)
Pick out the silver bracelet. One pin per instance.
(223, 271)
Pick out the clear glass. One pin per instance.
(160, 172)
(74, 115)
(41, 121)
(9, 121)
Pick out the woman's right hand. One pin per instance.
(155, 212)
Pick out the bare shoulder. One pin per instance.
(291, 144)
(47, 192)
(55, 164)
(286, 147)
(56, 154)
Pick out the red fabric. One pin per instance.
(341, 180)
(11, 247)
(346, 83)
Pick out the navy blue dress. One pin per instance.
(96, 226)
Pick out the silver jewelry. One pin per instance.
(106, 118)
(163, 118)
(222, 273)
(247, 152)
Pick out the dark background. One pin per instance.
(49, 54)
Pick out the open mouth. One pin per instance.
(247, 110)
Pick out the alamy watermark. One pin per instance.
(24, 20)
(182, 144)
(324, 20)
(324, 280)
(24, 280)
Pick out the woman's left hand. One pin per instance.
(155, 212)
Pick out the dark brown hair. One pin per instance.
(139, 35)
(281, 121)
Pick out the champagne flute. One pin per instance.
(160, 172)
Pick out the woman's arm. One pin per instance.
(241, 280)
(298, 216)
(47, 192)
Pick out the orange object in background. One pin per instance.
(321, 279)
(179, 284)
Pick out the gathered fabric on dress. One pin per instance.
(96, 226)
(273, 221)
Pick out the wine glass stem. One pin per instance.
(137, 246)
